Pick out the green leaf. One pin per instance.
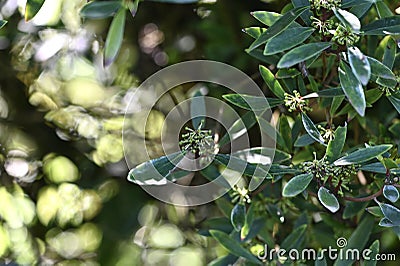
(98, 10)
(258, 54)
(238, 216)
(158, 170)
(280, 25)
(249, 102)
(287, 73)
(197, 108)
(384, 26)
(311, 129)
(353, 208)
(306, 15)
(328, 199)
(390, 53)
(359, 8)
(262, 155)
(114, 37)
(225, 206)
(272, 83)
(253, 31)
(287, 39)
(385, 222)
(382, 9)
(238, 128)
(395, 102)
(294, 239)
(381, 74)
(348, 19)
(247, 227)
(391, 213)
(357, 240)
(359, 64)
(233, 246)
(302, 53)
(375, 211)
(371, 261)
(336, 102)
(335, 146)
(352, 88)
(241, 166)
(2, 23)
(266, 17)
(296, 185)
(363, 155)
(32, 8)
(219, 223)
(303, 141)
(377, 167)
(391, 193)
(326, 93)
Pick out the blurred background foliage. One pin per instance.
(63, 195)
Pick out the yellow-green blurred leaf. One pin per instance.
(32, 8)
(114, 37)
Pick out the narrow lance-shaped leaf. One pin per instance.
(391, 193)
(100, 9)
(328, 199)
(296, 185)
(326, 93)
(306, 15)
(391, 213)
(158, 170)
(238, 128)
(233, 246)
(371, 261)
(390, 53)
(238, 216)
(359, 64)
(395, 100)
(114, 37)
(381, 74)
(335, 146)
(272, 83)
(249, 102)
(294, 239)
(241, 166)
(382, 9)
(361, 8)
(280, 25)
(348, 19)
(311, 129)
(302, 53)
(253, 31)
(358, 239)
(384, 26)
(2, 23)
(363, 155)
(266, 17)
(198, 108)
(352, 88)
(32, 8)
(287, 39)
